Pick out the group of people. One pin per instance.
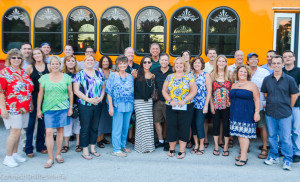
(89, 99)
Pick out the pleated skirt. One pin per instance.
(144, 131)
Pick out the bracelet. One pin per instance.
(256, 113)
(185, 100)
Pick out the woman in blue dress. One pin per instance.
(244, 111)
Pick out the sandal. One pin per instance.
(65, 149)
(59, 159)
(49, 163)
(171, 153)
(96, 154)
(194, 150)
(221, 145)
(180, 155)
(105, 141)
(263, 154)
(30, 155)
(100, 144)
(230, 144)
(200, 152)
(189, 145)
(225, 153)
(126, 150)
(87, 157)
(78, 148)
(206, 145)
(216, 152)
(242, 163)
(239, 158)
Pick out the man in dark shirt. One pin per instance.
(155, 51)
(159, 111)
(132, 67)
(290, 69)
(281, 93)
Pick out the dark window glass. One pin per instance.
(81, 29)
(223, 31)
(150, 28)
(15, 28)
(115, 31)
(186, 30)
(284, 34)
(48, 28)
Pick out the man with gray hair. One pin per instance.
(154, 51)
(132, 67)
(239, 58)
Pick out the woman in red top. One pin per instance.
(15, 99)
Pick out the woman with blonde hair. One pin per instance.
(220, 102)
(70, 67)
(179, 89)
(57, 97)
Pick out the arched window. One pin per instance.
(223, 31)
(114, 31)
(15, 28)
(48, 27)
(186, 31)
(81, 29)
(150, 26)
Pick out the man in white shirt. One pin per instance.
(26, 50)
(89, 51)
(258, 76)
(211, 55)
(239, 58)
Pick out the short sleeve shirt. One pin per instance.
(208, 67)
(258, 79)
(278, 101)
(89, 86)
(17, 88)
(134, 66)
(160, 78)
(178, 89)
(295, 73)
(56, 95)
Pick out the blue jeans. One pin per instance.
(40, 136)
(296, 130)
(120, 126)
(198, 123)
(283, 129)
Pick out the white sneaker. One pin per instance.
(287, 165)
(271, 161)
(18, 158)
(10, 162)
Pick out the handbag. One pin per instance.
(75, 111)
(155, 96)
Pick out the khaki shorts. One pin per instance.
(159, 112)
(16, 121)
(262, 122)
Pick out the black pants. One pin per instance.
(224, 114)
(179, 123)
(89, 117)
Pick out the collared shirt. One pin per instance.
(258, 79)
(155, 64)
(279, 95)
(17, 88)
(208, 67)
(265, 66)
(295, 73)
(134, 66)
(232, 67)
(25, 64)
(47, 60)
(160, 78)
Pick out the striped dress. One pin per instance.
(144, 132)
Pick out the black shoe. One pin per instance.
(260, 147)
(54, 136)
(166, 146)
(72, 138)
(296, 158)
(159, 144)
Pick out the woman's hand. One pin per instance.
(70, 112)
(39, 114)
(205, 110)
(4, 114)
(256, 116)
(181, 103)
(173, 103)
(111, 111)
(93, 101)
(98, 99)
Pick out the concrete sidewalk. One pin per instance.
(155, 166)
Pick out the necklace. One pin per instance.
(123, 79)
(151, 83)
(240, 84)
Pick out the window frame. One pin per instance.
(237, 44)
(135, 29)
(62, 29)
(29, 32)
(201, 32)
(100, 31)
(95, 28)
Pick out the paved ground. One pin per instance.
(155, 166)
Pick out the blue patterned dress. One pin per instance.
(242, 113)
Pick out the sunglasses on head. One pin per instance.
(15, 57)
(147, 62)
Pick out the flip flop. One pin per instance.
(180, 155)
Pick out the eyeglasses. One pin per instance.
(147, 62)
(15, 57)
(278, 63)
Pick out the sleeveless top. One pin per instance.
(35, 76)
(200, 98)
(221, 94)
